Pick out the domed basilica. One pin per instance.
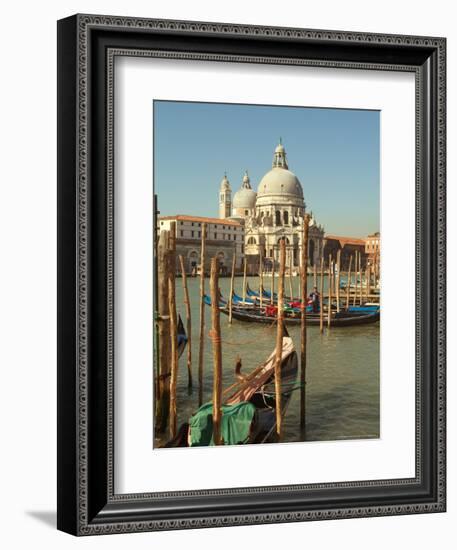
(274, 213)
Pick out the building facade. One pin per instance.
(347, 246)
(373, 248)
(224, 238)
(274, 213)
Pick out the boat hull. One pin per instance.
(341, 319)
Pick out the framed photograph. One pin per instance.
(251, 274)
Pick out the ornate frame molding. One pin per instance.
(79, 511)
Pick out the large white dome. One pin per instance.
(279, 181)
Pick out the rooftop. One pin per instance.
(346, 240)
(201, 219)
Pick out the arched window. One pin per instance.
(286, 217)
(251, 240)
(278, 217)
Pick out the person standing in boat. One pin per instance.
(314, 300)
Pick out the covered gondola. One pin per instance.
(249, 405)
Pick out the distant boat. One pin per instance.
(249, 412)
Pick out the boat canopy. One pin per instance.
(235, 424)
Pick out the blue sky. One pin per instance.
(335, 154)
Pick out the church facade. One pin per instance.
(274, 213)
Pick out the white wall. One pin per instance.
(28, 267)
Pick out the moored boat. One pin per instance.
(339, 319)
(354, 315)
(249, 405)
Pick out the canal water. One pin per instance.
(342, 391)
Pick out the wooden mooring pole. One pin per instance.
(356, 265)
(321, 298)
(291, 291)
(173, 330)
(279, 337)
(330, 284)
(231, 288)
(201, 346)
(162, 398)
(261, 277)
(303, 297)
(337, 281)
(272, 278)
(244, 278)
(348, 283)
(369, 283)
(361, 279)
(217, 352)
(188, 321)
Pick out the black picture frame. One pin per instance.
(87, 45)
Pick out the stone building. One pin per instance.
(274, 213)
(373, 248)
(348, 246)
(253, 223)
(223, 239)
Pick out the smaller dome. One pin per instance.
(245, 197)
(280, 148)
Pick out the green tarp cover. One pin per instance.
(235, 425)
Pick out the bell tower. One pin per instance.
(225, 199)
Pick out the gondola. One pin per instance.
(265, 294)
(252, 396)
(355, 315)
(247, 304)
(255, 296)
(339, 319)
(239, 300)
(182, 337)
